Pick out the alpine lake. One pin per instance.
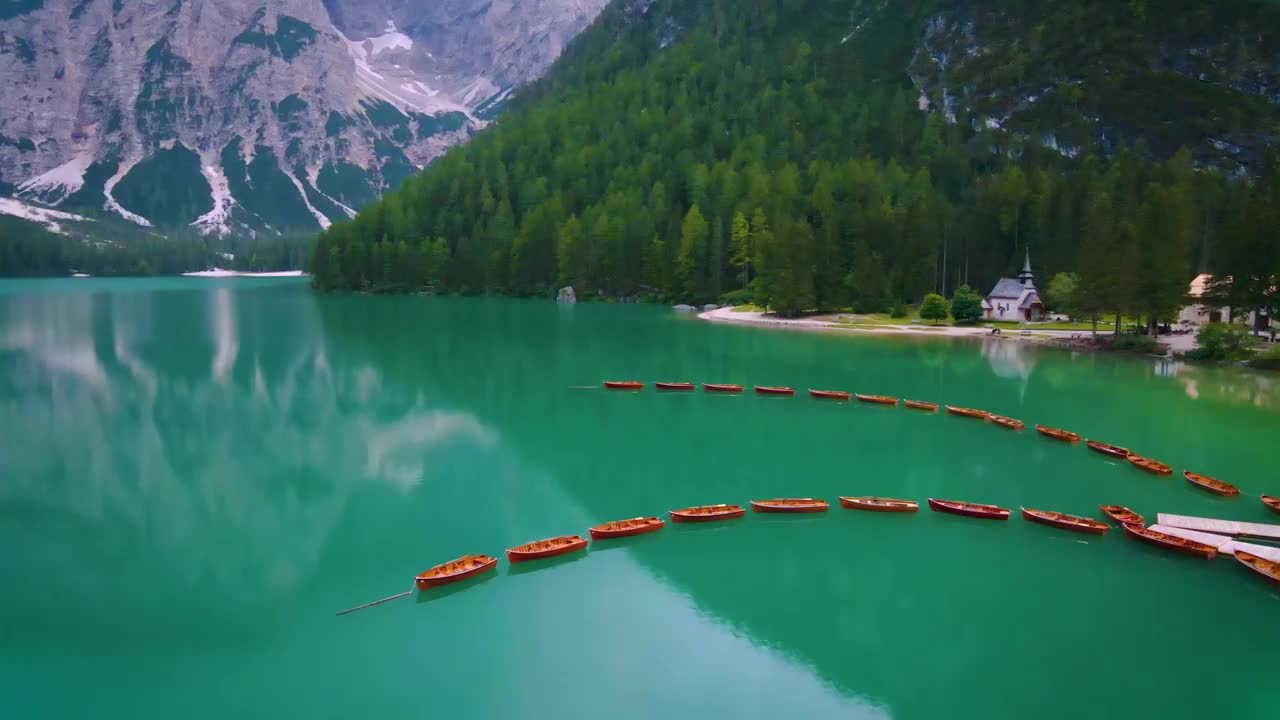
(197, 475)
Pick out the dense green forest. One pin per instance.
(28, 249)
(775, 151)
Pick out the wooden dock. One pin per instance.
(1221, 527)
(1225, 544)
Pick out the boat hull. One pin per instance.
(1122, 515)
(1005, 422)
(1169, 542)
(878, 399)
(1208, 484)
(520, 554)
(1270, 571)
(623, 385)
(763, 390)
(715, 388)
(875, 504)
(1114, 451)
(1065, 522)
(628, 528)
(805, 506)
(968, 412)
(1272, 503)
(728, 512)
(425, 581)
(1155, 467)
(1056, 434)
(973, 510)
(830, 394)
(680, 386)
(921, 405)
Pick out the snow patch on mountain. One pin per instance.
(44, 216)
(58, 183)
(215, 221)
(319, 216)
(111, 203)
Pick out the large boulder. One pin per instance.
(710, 306)
(682, 308)
(566, 295)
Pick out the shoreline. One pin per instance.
(1077, 340)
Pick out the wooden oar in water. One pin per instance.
(375, 602)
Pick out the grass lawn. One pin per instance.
(747, 308)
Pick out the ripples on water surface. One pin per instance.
(196, 475)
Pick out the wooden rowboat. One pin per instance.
(712, 387)
(623, 385)
(1056, 434)
(1114, 451)
(707, 513)
(550, 547)
(674, 385)
(1064, 521)
(830, 394)
(1169, 542)
(968, 412)
(1268, 569)
(766, 390)
(1122, 515)
(968, 509)
(1271, 502)
(878, 399)
(921, 405)
(455, 570)
(1154, 467)
(789, 505)
(1217, 487)
(626, 528)
(1006, 422)
(879, 504)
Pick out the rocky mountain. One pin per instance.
(252, 115)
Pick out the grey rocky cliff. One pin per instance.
(257, 114)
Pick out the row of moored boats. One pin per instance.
(1133, 524)
(1203, 482)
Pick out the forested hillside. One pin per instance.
(689, 150)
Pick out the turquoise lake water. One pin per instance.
(196, 475)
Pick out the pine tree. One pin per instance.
(740, 243)
(691, 262)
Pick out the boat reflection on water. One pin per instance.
(434, 594)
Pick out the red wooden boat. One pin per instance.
(550, 547)
(921, 405)
(1005, 422)
(713, 387)
(766, 390)
(1056, 434)
(878, 399)
(626, 528)
(1122, 515)
(1268, 569)
(674, 385)
(707, 513)
(1064, 521)
(968, 509)
(879, 504)
(623, 385)
(1169, 542)
(1155, 467)
(789, 505)
(830, 394)
(1271, 502)
(968, 412)
(455, 570)
(1217, 487)
(1114, 451)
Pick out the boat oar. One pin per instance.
(375, 602)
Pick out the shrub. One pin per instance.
(966, 306)
(1222, 341)
(899, 310)
(1268, 359)
(736, 297)
(933, 308)
(1139, 344)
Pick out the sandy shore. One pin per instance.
(220, 273)
(1074, 339)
